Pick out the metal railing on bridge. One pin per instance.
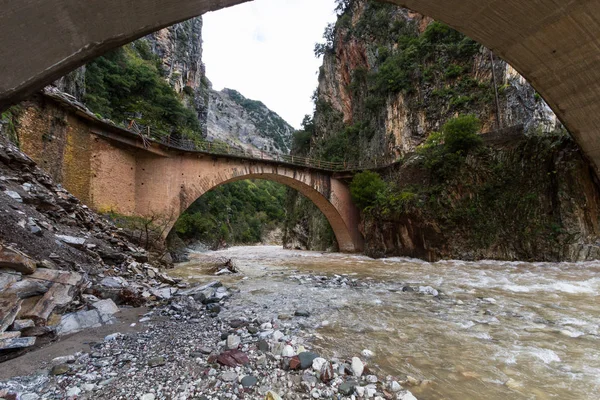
(148, 134)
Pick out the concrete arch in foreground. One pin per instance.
(554, 44)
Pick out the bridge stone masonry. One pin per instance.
(112, 169)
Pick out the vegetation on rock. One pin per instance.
(235, 213)
(130, 83)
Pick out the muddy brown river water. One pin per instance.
(497, 330)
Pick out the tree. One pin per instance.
(365, 188)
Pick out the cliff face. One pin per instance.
(234, 119)
(179, 47)
(390, 78)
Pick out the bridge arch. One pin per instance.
(555, 45)
(332, 207)
(167, 186)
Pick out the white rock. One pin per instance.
(233, 341)
(74, 391)
(115, 282)
(367, 353)
(428, 290)
(357, 366)
(72, 240)
(288, 351)
(148, 396)
(406, 396)
(88, 387)
(75, 322)
(395, 387)
(277, 335)
(30, 396)
(63, 360)
(371, 379)
(315, 393)
(106, 306)
(490, 300)
(266, 326)
(370, 390)
(13, 195)
(318, 363)
(360, 391)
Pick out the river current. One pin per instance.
(497, 330)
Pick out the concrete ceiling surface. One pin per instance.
(555, 44)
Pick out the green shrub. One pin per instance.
(461, 134)
(365, 189)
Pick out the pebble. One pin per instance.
(318, 363)
(357, 367)
(249, 381)
(288, 351)
(148, 396)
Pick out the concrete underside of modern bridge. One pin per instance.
(555, 44)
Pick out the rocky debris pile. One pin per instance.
(342, 280)
(190, 350)
(60, 262)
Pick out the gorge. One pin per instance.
(440, 217)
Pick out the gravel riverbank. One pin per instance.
(192, 347)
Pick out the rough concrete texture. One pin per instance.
(155, 182)
(555, 45)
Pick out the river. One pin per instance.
(497, 330)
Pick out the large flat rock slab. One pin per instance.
(10, 305)
(17, 261)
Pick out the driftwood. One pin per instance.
(10, 305)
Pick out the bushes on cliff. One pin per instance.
(444, 151)
(365, 188)
(129, 82)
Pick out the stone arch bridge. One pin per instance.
(114, 169)
(554, 44)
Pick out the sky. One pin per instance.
(264, 50)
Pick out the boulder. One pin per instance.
(28, 288)
(106, 307)
(17, 343)
(7, 279)
(17, 261)
(60, 294)
(21, 324)
(72, 241)
(10, 305)
(78, 321)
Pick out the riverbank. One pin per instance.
(199, 346)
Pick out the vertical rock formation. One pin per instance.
(234, 119)
(390, 78)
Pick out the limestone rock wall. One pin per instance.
(234, 119)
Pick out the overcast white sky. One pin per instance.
(264, 50)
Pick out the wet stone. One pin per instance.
(306, 359)
(302, 313)
(60, 369)
(157, 361)
(347, 388)
(249, 381)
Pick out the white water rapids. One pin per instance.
(498, 330)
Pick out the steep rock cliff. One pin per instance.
(234, 119)
(390, 78)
